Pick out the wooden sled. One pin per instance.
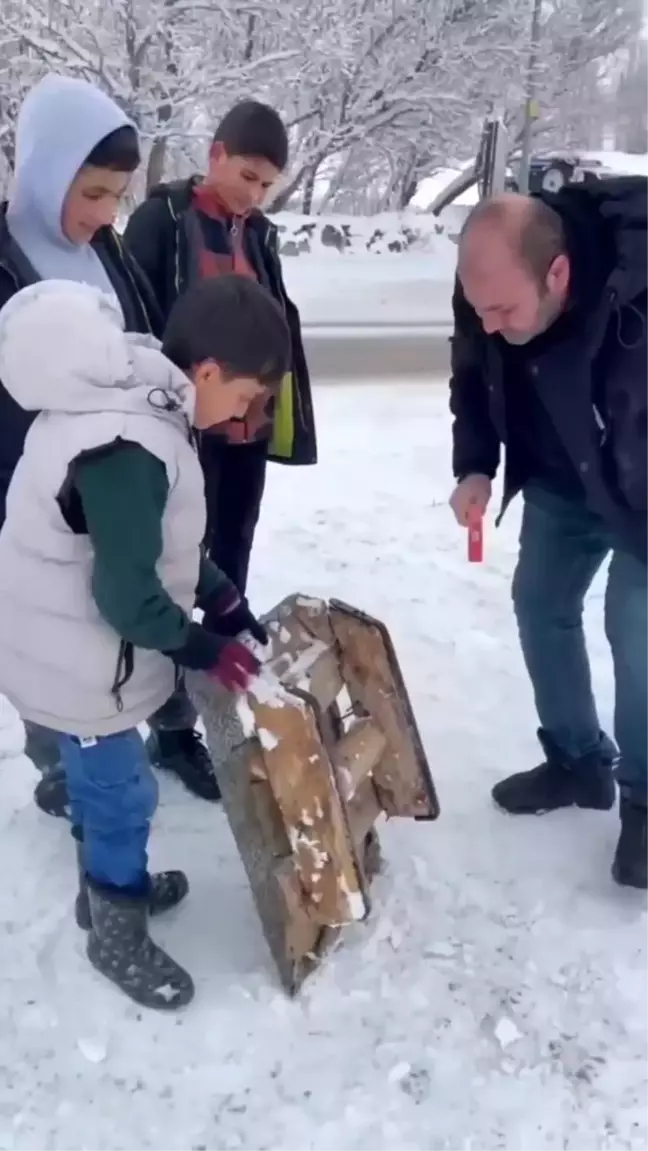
(307, 763)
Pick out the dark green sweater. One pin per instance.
(123, 493)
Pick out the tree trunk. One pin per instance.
(309, 188)
(278, 203)
(155, 165)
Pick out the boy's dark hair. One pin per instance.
(119, 151)
(254, 129)
(234, 322)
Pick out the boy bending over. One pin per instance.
(101, 564)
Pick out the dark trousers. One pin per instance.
(235, 477)
(234, 484)
(562, 546)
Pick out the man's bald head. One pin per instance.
(513, 265)
(532, 229)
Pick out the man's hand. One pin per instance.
(472, 494)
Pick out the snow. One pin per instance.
(433, 186)
(621, 163)
(495, 998)
(406, 289)
(378, 288)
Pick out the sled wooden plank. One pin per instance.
(292, 937)
(317, 672)
(295, 623)
(301, 778)
(363, 811)
(357, 754)
(402, 777)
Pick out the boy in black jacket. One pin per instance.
(201, 228)
(206, 227)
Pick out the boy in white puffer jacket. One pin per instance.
(101, 565)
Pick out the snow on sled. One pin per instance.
(324, 745)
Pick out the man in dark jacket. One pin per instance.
(75, 154)
(549, 358)
(203, 227)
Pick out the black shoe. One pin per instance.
(42, 747)
(184, 753)
(120, 947)
(51, 794)
(167, 890)
(558, 782)
(631, 858)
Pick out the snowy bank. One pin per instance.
(388, 233)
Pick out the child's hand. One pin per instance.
(230, 615)
(236, 666)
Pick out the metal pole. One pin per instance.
(529, 103)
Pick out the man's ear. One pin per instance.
(217, 150)
(558, 275)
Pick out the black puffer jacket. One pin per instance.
(591, 384)
(161, 237)
(141, 314)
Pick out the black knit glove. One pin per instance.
(228, 614)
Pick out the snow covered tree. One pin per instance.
(376, 93)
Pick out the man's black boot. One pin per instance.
(120, 947)
(558, 782)
(630, 865)
(184, 753)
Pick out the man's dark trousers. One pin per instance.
(562, 546)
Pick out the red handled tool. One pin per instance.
(475, 537)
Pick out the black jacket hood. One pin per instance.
(607, 233)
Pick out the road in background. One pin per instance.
(377, 352)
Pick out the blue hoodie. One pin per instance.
(60, 122)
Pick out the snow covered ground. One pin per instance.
(497, 998)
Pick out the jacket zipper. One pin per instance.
(123, 672)
(133, 284)
(176, 254)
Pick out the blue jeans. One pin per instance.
(113, 796)
(562, 546)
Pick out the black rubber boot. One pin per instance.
(168, 889)
(51, 794)
(558, 782)
(184, 753)
(120, 947)
(631, 858)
